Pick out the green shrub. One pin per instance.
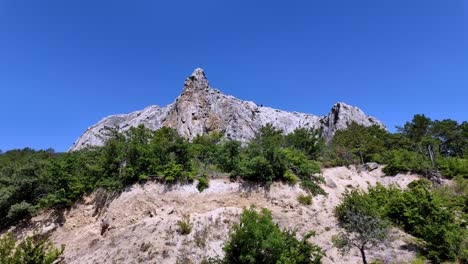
(423, 213)
(30, 250)
(304, 199)
(405, 161)
(311, 184)
(185, 227)
(257, 169)
(203, 183)
(256, 239)
(143, 178)
(20, 211)
(451, 167)
(173, 172)
(360, 219)
(290, 178)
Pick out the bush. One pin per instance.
(405, 161)
(423, 213)
(203, 183)
(20, 211)
(256, 239)
(173, 172)
(451, 167)
(290, 178)
(143, 178)
(30, 250)
(257, 169)
(304, 199)
(184, 225)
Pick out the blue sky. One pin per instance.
(64, 65)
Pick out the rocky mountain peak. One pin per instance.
(201, 109)
(197, 81)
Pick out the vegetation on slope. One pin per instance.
(256, 239)
(32, 250)
(32, 180)
(437, 216)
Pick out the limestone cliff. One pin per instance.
(201, 109)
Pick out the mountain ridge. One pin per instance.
(200, 109)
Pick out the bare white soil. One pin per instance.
(143, 220)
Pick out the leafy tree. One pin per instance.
(437, 219)
(305, 140)
(357, 143)
(417, 129)
(361, 222)
(452, 137)
(229, 156)
(256, 239)
(263, 160)
(405, 161)
(452, 167)
(205, 147)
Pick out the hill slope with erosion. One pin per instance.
(143, 220)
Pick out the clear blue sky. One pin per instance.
(64, 65)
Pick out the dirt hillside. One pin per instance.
(142, 221)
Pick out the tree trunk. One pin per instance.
(431, 155)
(363, 254)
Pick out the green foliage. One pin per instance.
(266, 159)
(452, 167)
(405, 161)
(257, 168)
(417, 129)
(420, 146)
(185, 227)
(32, 180)
(205, 148)
(20, 211)
(432, 216)
(359, 216)
(304, 199)
(307, 141)
(256, 239)
(203, 183)
(290, 177)
(357, 143)
(173, 172)
(229, 156)
(30, 250)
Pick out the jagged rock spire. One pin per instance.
(196, 81)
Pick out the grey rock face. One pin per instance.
(201, 109)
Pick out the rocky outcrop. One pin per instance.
(201, 109)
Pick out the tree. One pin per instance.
(264, 160)
(450, 135)
(358, 143)
(417, 129)
(362, 226)
(205, 147)
(256, 239)
(229, 156)
(305, 140)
